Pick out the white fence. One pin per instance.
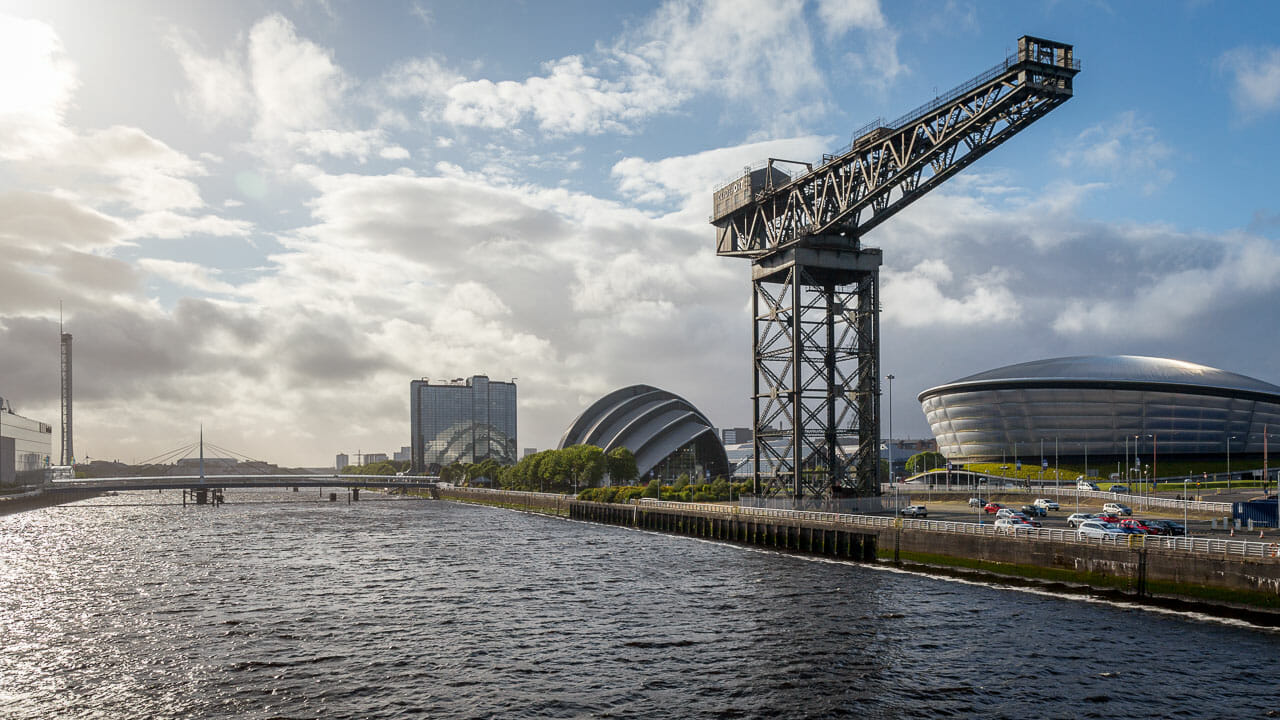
(1185, 544)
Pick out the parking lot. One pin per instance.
(959, 511)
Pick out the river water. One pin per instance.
(277, 605)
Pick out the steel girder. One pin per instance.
(891, 166)
(816, 374)
(816, 338)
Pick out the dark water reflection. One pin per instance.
(423, 609)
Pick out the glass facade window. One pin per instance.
(26, 447)
(462, 421)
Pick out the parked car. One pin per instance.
(1097, 529)
(1047, 504)
(1033, 511)
(1118, 489)
(1085, 485)
(1143, 525)
(1074, 519)
(1170, 527)
(1107, 517)
(1005, 512)
(977, 502)
(992, 507)
(916, 511)
(1012, 526)
(1117, 508)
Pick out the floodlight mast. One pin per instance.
(815, 302)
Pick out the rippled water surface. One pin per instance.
(124, 607)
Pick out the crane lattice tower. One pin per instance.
(815, 304)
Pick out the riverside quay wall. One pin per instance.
(1224, 575)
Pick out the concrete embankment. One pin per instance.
(1219, 580)
(1224, 583)
(36, 500)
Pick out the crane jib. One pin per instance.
(888, 166)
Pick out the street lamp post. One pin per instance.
(1229, 439)
(889, 377)
(1057, 474)
(1185, 502)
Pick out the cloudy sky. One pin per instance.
(268, 217)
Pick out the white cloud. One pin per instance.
(164, 224)
(684, 49)
(841, 16)
(570, 99)
(1256, 79)
(393, 152)
(1123, 149)
(33, 99)
(691, 179)
(288, 90)
(219, 91)
(297, 85)
(186, 274)
(919, 297)
(701, 47)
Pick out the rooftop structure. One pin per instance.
(1102, 406)
(667, 434)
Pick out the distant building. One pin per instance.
(735, 436)
(668, 436)
(342, 461)
(1106, 408)
(373, 458)
(405, 453)
(463, 420)
(26, 446)
(191, 466)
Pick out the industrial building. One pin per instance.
(667, 434)
(463, 420)
(1103, 407)
(26, 446)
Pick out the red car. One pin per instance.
(992, 507)
(1137, 524)
(1107, 517)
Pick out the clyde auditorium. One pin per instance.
(667, 434)
(1102, 406)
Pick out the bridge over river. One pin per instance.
(283, 480)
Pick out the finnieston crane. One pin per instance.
(815, 305)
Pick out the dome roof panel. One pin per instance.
(1112, 370)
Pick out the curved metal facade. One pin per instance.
(1101, 406)
(653, 424)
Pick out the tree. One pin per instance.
(653, 490)
(621, 464)
(922, 461)
(584, 465)
(720, 489)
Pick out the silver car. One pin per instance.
(1099, 529)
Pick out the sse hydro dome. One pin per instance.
(1102, 406)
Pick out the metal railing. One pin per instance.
(1136, 501)
(1204, 546)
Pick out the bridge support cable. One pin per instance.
(815, 300)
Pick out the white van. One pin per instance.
(1085, 485)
